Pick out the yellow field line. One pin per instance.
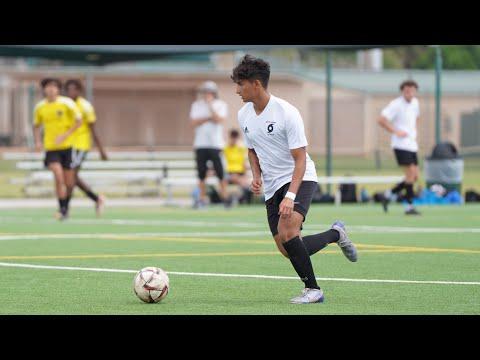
(395, 248)
(215, 254)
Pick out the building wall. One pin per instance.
(153, 110)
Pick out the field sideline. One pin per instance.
(225, 262)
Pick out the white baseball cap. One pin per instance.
(209, 86)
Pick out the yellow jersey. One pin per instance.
(235, 157)
(82, 136)
(57, 117)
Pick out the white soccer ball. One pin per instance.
(151, 284)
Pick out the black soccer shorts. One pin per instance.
(405, 158)
(302, 203)
(64, 157)
(202, 156)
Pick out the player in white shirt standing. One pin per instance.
(400, 118)
(208, 114)
(275, 137)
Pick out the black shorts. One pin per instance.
(405, 158)
(64, 157)
(204, 155)
(302, 203)
(78, 157)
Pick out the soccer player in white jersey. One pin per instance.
(208, 114)
(275, 136)
(400, 118)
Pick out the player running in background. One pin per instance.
(236, 157)
(82, 142)
(400, 118)
(60, 118)
(208, 114)
(275, 137)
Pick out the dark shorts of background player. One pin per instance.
(78, 157)
(405, 158)
(302, 203)
(64, 157)
(202, 156)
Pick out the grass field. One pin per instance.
(424, 265)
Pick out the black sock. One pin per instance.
(399, 187)
(315, 243)
(63, 206)
(91, 195)
(301, 262)
(410, 193)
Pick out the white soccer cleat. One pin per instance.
(309, 296)
(348, 248)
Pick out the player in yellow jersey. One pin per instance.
(236, 158)
(82, 142)
(60, 118)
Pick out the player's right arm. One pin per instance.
(37, 125)
(195, 119)
(386, 118)
(387, 125)
(256, 172)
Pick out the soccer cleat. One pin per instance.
(61, 217)
(348, 248)
(412, 211)
(100, 205)
(309, 296)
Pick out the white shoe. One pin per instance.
(348, 248)
(309, 296)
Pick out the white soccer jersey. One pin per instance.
(272, 134)
(403, 115)
(208, 135)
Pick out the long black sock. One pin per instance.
(315, 243)
(301, 262)
(410, 193)
(67, 203)
(399, 187)
(91, 195)
(63, 206)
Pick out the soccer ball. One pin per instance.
(151, 284)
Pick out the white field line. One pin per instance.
(109, 236)
(246, 225)
(242, 276)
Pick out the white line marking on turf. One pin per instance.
(245, 276)
(128, 222)
(247, 225)
(108, 236)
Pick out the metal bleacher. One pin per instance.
(126, 173)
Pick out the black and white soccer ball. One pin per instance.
(151, 285)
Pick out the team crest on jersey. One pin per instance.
(59, 113)
(270, 127)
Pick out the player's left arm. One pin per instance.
(300, 157)
(69, 132)
(96, 139)
(219, 116)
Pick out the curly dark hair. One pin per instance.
(48, 81)
(75, 82)
(251, 68)
(408, 83)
